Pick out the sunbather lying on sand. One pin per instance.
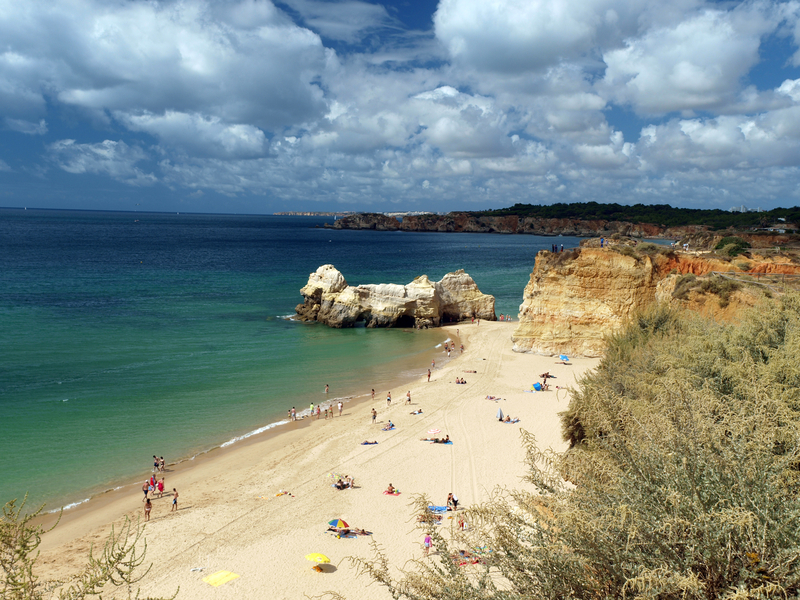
(508, 419)
(493, 398)
(443, 440)
(366, 443)
(417, 412)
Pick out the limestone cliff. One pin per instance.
(574, 299)
(422, 303)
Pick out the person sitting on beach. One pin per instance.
(390, 489)
(348, 482)
(545, 386)
(417, 412)
(452, 502)
(389, 426)
(339, 484)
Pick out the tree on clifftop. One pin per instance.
(681, 480)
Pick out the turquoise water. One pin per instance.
(126, 335)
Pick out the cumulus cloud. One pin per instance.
(28, 127)
(114, 159)
(345, 21)
(694, 65)
(508, 99)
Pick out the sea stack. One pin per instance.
(422, 303)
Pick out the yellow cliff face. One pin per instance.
(575, 299)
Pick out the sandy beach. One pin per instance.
(230, 517)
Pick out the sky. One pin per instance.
(255, 106)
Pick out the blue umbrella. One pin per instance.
(564, 357)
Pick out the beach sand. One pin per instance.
(230, 518)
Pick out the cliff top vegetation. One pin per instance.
(658, 214)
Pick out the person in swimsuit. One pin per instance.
(161, 464)
(390, 489)
(408, 397)
(427, 544)
(174, 500)
(374, 415)
(146, 487)
(389, 399)
(155, 463)
(147, 508)
(340, 407)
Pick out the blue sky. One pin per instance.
(255, 107)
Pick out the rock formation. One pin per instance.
(422, 303)
(574, 299)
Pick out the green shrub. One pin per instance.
(683, 286)
(647, 248)
(627, 251)
(731, 246)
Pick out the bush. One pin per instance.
(683, 286)
(647, 248)
(627, 251)
(117, 566)
(731, 246)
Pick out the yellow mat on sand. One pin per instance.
(219, 578)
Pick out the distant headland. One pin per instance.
(591, 219)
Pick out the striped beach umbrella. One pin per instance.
(434, 431)
(338, 523)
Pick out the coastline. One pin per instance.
(90, 501)
(230, 517)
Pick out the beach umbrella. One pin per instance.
(318, 558)
(338, 523)
(434, 431)
(499, 413)
(564, 357)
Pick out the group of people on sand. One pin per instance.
(460, 380)
(344, 484)
(149, 488)
(317, 410)
(158, 464)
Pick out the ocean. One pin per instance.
(124, 335)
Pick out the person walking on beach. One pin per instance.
(389, 399)
(408, 397)
(155, 463)
(374, 415)
(174, 500)
(433, 364)
(373, 393)
(319, 411)
(312, 410)
(161, 464)
(340, 408)
(160, 487)
(148, 506)
(427, 543)
(429, 375)
(294, 414)
(146, 487)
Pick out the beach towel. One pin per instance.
(450, 443)
(437, 509)
(219, 578)
(512, 421)
(387, 428)
(395, 493)
(368, 443)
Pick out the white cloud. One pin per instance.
(4, 166)
(28, 127)
(115, 159)
(200, 136)
(345, 20)
(695, 65)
